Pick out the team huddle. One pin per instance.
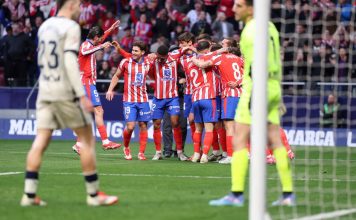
(213, 85)
(218, 88)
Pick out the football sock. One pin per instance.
(157, 138)
(143, 141)
(31, 183)
(222, 138)
(197, 142)
(229, 146)
(215, 143)
(91, 183)
(283, 168)
(177, 134)
(192, 128)
(127, 138)
(102, 132)
(208, 140)
(239, 166)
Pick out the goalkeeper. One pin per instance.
(244, 11)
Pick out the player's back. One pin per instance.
(55, 36)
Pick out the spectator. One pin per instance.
(201, 26)
(88, 16)
(163, 25)
(221, 27)
(127, 41)
(330, 115)
(108, 21)
(103, 73)
(18, 50)
(345, 10)
(17, 9)
(193, 15)
(143, 29)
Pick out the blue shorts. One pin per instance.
(171, 105)
(218, 106)
(187, 105)
(92, 94)
(228, 107)
(137, 111)
(205, 111)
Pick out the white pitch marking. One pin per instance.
(10, 173)
(328, 215)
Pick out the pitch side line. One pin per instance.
(328, 215)
(10, 173)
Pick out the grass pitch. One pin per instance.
(166, 189)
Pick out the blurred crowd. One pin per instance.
(318, 36)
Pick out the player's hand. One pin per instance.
(182, 81)
(114, 26)
(86, 104)
(106, 45)
(109, 95)
(115, 44)
(152, 56)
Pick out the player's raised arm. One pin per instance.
(113, 83)
(72, 68)
(121, 51)
(202, 63)
(110, 30)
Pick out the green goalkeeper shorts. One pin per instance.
(243, 111)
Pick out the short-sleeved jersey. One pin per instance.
(184, 61)
(274, 60)
(165, 76)
(57, 36)
(230, 68)
(87, 62)
(135, 74)
(203, 80)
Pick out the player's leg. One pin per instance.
(188, 112)
(143, 117)
(198, 119)
(130, 115)
(217, 140)
(158, 106)
(88, 161)
(99, 121)
(34, 159)
(279, 151)
(210, 117)
(173, 109)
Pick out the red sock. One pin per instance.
(102, 132)
(222, 138)
(208, 141)
(192, 128)
(269, 152)
(284, 139)
(157, 138)
(215, 143)
(197, 142)
(177, 134)
(127, 138)
(229, 148)
(143, 141)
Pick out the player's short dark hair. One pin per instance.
(235, 50)
(60, 4)
(215, 47)
(162, 50)
(95, 31)
(249, 2)
(231, 42)
(140, 44)
(202, 45)
(186, 37)
(205, 37)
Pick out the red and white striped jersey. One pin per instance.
(87, 62)
(165, 76)
(135, 74)
(87, 14)
(203, 81)
(230, 68)
(185, 60)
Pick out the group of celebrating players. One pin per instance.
(213, 78)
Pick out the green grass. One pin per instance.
(166, 189)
